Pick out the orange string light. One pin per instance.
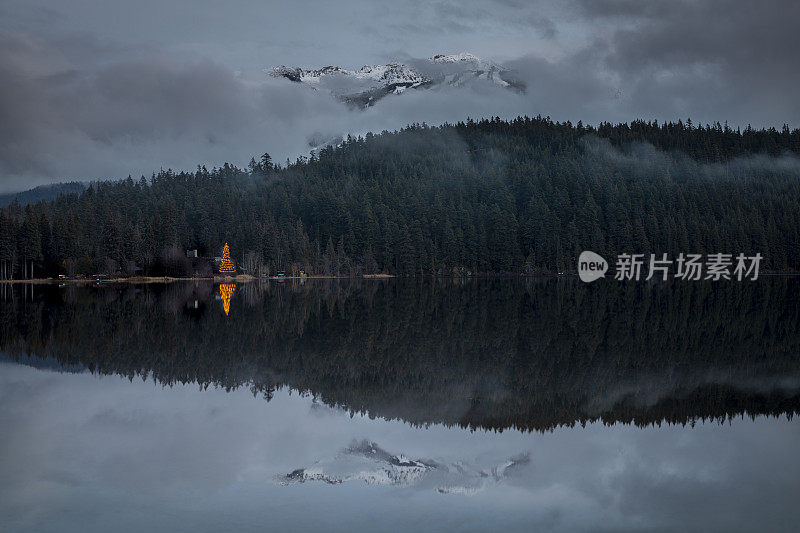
(226, 265)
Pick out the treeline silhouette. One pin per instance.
(477, 354)
(493, 196)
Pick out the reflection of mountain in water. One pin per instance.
(367, 462)
(491, 354)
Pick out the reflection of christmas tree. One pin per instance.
(226, 265)
(225, 292)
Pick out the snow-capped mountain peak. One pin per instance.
(365, 86)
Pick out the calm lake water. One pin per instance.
(400, 405)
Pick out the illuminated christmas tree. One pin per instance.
(226, 265)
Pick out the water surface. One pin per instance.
(387, 405)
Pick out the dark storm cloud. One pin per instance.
(55, 107)
(68, 121)
(100, 90)
(498, 16)
(714, 60)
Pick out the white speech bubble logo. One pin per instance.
(591, 266)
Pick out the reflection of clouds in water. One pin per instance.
(366, 461)
(82, 453)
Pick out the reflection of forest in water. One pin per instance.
(489, 353)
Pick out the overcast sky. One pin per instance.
(95, 89)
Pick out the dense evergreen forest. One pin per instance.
(492, 196)
(494, 354)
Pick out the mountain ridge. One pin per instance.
(364, 87)
(42, 193)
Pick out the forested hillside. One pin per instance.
(524, 196)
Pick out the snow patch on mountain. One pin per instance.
(452, 58)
